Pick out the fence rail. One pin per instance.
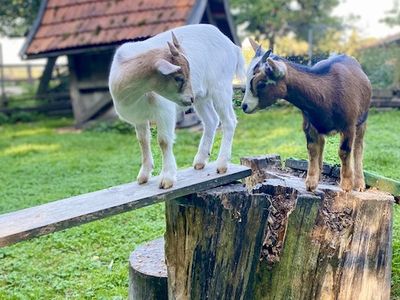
(16, 73)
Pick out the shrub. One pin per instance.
(111, 126)
(3, 118)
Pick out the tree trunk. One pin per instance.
(148, 273)
(279, 241)
(213, 243)
(327, 245)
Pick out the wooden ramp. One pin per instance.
(43, 219)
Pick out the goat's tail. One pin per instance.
(240, 69)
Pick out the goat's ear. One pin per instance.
(166, 68)
(254, 44)
(278, 68)
(175, 40)
(173, 49)
(266, 55)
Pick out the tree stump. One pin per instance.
(322, 245)
(148, 273)
(213, 243)
(272, 239)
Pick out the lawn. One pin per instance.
(42, 162)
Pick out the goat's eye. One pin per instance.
(178, 79)
(261, 84)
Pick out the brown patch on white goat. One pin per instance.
(165, 70)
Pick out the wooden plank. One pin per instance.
(371, 180)
(58, 215)
(383, 183)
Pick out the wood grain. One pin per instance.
(58, 215)
(148, 272)
(213, 241)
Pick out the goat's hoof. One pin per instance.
(346, 184)
(359, 188)
(142, 179)
(222, 170)
(166, 183)
(359, 185)
(199, 166)
(311, 184)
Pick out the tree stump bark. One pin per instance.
(148, 272)
(323, 245)
(213, 243)
(272, 239)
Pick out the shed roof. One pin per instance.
(68, 26)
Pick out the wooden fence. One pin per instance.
(14, 96)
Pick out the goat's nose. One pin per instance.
(244, 107)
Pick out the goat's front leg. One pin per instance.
(315, 147)
(359, 182)
(165, 136)
(224, 108)
(209, 118)
(345, 152)
(143, 136)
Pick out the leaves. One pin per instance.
(272, 19)
(393, 16)
(16, 16)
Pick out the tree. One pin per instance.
(393, 16)
(270, 19)
(16, 16)
(266, 19)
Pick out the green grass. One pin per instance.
(40, 163)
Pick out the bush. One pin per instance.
(382, 65)
(114, 126)
(23, 117)
(3, 118)
(19, 117)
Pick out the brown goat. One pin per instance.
(334, 96)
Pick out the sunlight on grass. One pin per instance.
(30, 132)
(30, 148)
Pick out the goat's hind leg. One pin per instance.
(143, 136)
(359, 182)
(345, 153)
(315, 147)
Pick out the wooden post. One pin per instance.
(327, 245)
(213, 242)
(148, 272)
(29, 71)
(46, 76)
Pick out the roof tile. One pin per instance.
(70, 24)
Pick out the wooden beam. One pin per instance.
(44, 219)
(46, 76)
(371, 180)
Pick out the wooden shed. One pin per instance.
(88, 32)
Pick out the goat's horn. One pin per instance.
(254, 44)
(278, 68)
(175, 40)
(173, 49)
(266, 55)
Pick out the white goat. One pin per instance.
(148, 78)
